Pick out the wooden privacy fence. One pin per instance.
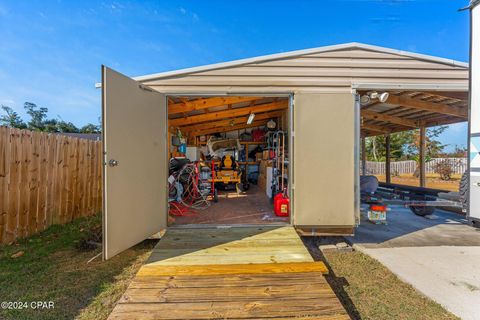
(46, 179)
(458, 166)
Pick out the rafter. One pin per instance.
(229, 122)
(427, 106)
(204, 103)
(372, 115)
(229, 128)
(460, 95)
(375, 128)
(369, 133)
(237, 112)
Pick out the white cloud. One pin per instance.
(192, 14)
(7, 101)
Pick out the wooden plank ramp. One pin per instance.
(231, 273)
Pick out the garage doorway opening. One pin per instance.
(229, 160)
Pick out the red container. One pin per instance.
(281, 205)
(272, 154)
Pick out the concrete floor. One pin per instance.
(439, 257)
(250, 207)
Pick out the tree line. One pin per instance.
(40, 121)
(406, 146)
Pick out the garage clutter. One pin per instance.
(197, 173)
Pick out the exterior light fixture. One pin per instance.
(382, 97)
(364, 100)
(367, 98)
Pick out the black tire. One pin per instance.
(423, 210)
(215, 195)
(463, 191)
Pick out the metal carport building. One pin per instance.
(327, 120)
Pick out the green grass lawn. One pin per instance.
(52, 269)
(368, 290)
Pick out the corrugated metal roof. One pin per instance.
(292, 54)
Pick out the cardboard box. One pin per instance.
(262, 181)
(265, 154)
(262, 168)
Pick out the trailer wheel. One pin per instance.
(423, 210)
(463, 190)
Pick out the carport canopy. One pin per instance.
(410, 110)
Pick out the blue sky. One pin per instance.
(51, 51)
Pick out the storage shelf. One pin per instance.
(245, 143)
(248, 162)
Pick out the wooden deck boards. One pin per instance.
(238, 273)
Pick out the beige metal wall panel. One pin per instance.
(235, 90)
(324, 159)
(340, 72)
(307, 61)
(287, 81)
(134, 126)
(333, 71)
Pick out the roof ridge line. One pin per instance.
(295, 53)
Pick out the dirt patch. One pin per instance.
(432, 181)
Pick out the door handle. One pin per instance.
(113, 163)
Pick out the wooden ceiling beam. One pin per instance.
(372, 127)
(229, 122)
(369, 133)
(372, 115)
(204, 103)
(460, 95)
(428, 106)
(232, 113)
(254, 124)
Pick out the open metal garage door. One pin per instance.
(135, 162)
(324, 164)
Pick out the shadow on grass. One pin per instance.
(338, 284)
